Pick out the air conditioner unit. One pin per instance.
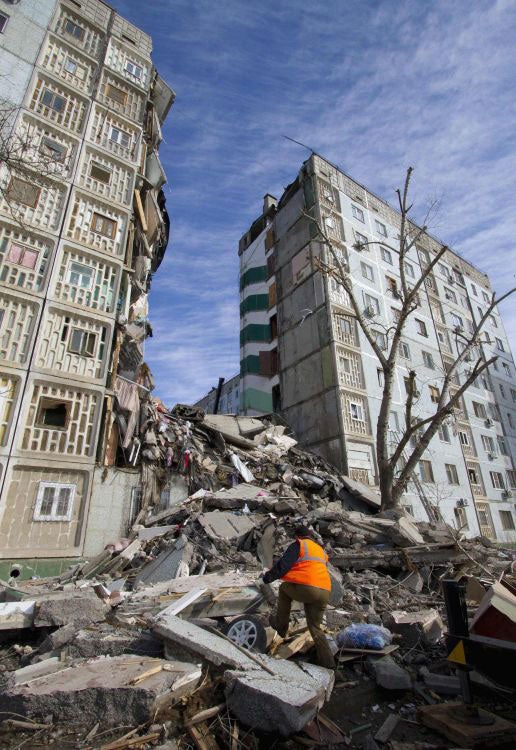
(489, 422)
(462, 503)
(506, 494)
(369, 312)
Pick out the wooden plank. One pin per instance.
(375, 651)
(387, 728)
(300, 644)
(144, 675)
(208, 713)
(131, 741)
(139, 210)
(203, 738)
(184, 602)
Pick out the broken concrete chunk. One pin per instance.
(168, 563)
(282, 703)
(104, 689)
(390, 675)
(80, 607)
(425, 626)
(228, 526)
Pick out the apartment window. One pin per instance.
(464, 438)
(380, 377)
(392, 286)
(80, 275)
(381, 340)
(72, 66)
(53, 101)
(345, 364)
(459, 278)
(499, 345)
(473, 477)
(394, 422)
(21, 191)
(502, 446)
(356, 411)
(506, 368)
(494, 412)
(451, 473)
(103, 225)
(507, 520)
(461, 518)
(409, 270)
(52, 150)
(497, 480)
(53, 413)
(404, 350)
(421, 327)
(426, 471)
(361, 239)
(513, 394)
(463, 301)
(428, 360)
(502, 391)
(380, 228)
(493, 321)
(450, 295)
(511, 478)
(443, 270)
(100, 173)
(346, 327)
(367, 271)
(82, 342)
(54, 501)
(3, 22)
(371, 304)
(22, 256)
(73, 29)
(396, 314)
(434, 394)
(357, 213)
(444, 433)
(118, 95)
(488, 443)
(133, 69)
(488, 339)
(120, 136)
(386, 255)
(424, 255)
(486, 297)
(509, 418)
(480, 410)
(457, 321)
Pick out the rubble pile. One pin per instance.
(166, 631)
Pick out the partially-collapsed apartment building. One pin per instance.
(78, 246)
(303, 354)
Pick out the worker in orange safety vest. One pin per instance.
(303, 568)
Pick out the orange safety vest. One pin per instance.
(310, 568)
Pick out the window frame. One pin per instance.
(100, 168)
(45, 403)
(112, 87)
(82, 30)
(54, 148)
(122, 133)
(40, 498)
(358, 213)
(128, 61)
(54, 96)
(95, 217)
(381, 229)
(86, 347)
(359, 410)
(11, 186)
(5, 17)
(428, 359)
(452, 474)
(424, 462)
(506, 515)
(365, 269)
(24, 249)
(69, 272)
(498, 476)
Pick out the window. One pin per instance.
(22, 256)
(421, 327)
(507, 520)
(506, 368)
(464, 438)
(380, 376)
(73, 29)
(451, 473)
(120, 136)
(426, 471)
(80, 275)
(53, 413)
(54, 501)
(100, 173)
(473, 477)
(21, 191)
(52, 149)
(409, 270)
(345, 327)
(116, 94)
(502, 446)
(499, 345)
(371, 305)
(345, 364)
(457, 321)
(3, 22)
(386, 255)
(72, 66)
(486, 297)
(53, 101)
(361, 240)
(380, 228)
(509, 418)
(497, 480)
(502, 392)
(450, 294)
(357, 213)
(428, 360)
(82, 342)
(404, 350)
(356, 411)
(444, 433)
(393, 421)
(474, 290)
(434, 394)
(513, 394)
(381, 340)
(461, 518)
(511, 478)
(424, 255)
(133, 69)
(480, 410)
(396, 314)
(493, 321)
(443, 271)
(103, 225)
(367, 271)
(488, 443)
(392, 286)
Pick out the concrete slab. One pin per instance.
(104, 689)
(81, 607)
(451, 720)
(389, 675)
(424, 626)
(227, 526)
(167, 564)
(283, 703)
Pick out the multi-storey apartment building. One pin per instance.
(229, 398)
(77, 247)
(307, 351)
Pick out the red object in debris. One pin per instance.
(496, 614)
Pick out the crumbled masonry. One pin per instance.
(137, 636)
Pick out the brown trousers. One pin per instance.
(315, 601)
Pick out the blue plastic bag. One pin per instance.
(364, 636)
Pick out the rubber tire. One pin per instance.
(262, 639)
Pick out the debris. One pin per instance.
(496, 614)
(425, 626)
(168, 563)
(390, 675)
(364, 637)
(452, 720)
(389, 725)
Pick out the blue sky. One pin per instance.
(373, 87)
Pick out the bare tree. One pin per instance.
(396, 464)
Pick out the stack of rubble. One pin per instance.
(136, 635)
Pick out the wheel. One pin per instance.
(247, 631)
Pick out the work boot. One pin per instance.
(274, 625)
